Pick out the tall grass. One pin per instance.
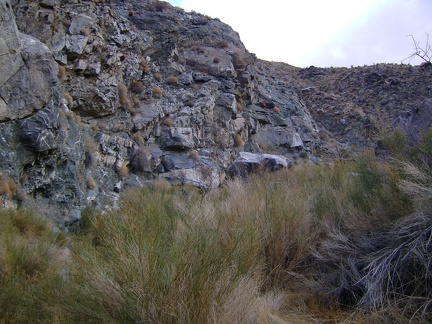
(343, 242)
(31, 268)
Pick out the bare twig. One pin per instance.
(424, 53)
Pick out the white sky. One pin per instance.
(324, 32)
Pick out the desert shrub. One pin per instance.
(165, 261)
(157, 92)
(124, 97)
(157, 6)
(167, 122)
(222, 44)
(69, 99)
(194, 155)
(7, 185)
(158, 77)
(143, 65)
(62, 73)
(140, 161)
(399, 272)
(172, 80)
(123, 170)
(239, 107)
(395, 142)
(137, 87)
(91, 184)
(238, 141)
(138, 139)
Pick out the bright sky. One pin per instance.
(324, 32)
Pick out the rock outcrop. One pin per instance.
(96, 96)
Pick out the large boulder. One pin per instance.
(29, 73)
(249, 162)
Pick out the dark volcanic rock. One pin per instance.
(96, 96)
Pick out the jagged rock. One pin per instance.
(42, 131)
(179, 138)
(28, 73)
(79, 23)
(75, 45)
(174, 161)
(415, 122)
(97, 100)
(158, 93)
(249, 162)
(207, 178)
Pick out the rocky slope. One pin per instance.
(96, 96)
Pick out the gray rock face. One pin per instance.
(153, 94)
(28, 73)
(42, 131)
(249, 162)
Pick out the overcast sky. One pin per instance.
(324, 32)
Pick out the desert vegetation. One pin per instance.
(347, 242)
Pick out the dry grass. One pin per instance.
(172, 80)
(123, 171)
(158, 77)
(91, 183)
(339, 243)
(138, 139)
(69, 99)
(157, 92)
(62, 73)
(7, 185)
(167, 122)
(124, 97)
(137, 87)
(239, 107)
(238, 140)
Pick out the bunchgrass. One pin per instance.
(347, 242)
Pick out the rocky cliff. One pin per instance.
(96, 96)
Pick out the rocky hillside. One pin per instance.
(97, 96)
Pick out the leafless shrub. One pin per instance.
(424, 53)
